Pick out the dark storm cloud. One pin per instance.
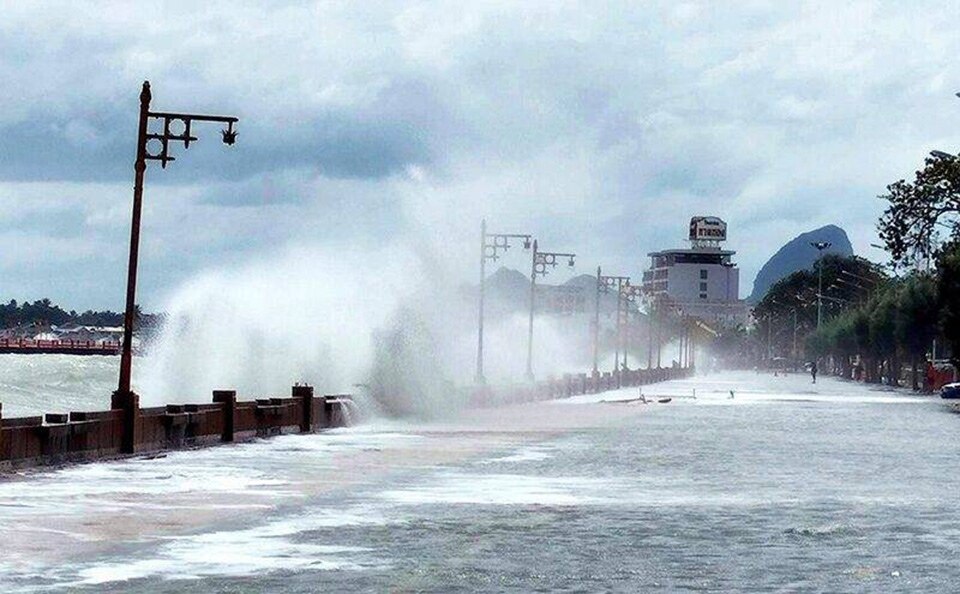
(399, 129)
(600, 126)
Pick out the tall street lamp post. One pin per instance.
(651, 304)
(629, 295)
(820, 245)
(539, 267)
(604, 285)
(152, 146)
(491, 244)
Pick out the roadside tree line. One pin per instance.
(880, 321)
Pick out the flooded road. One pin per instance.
(783, 486)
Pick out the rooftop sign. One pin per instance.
(707, 229)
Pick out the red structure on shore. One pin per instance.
(25, 346)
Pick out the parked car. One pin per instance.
(950, 391)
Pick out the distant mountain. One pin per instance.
(508, 290)
(508, 285)
(587, 281)
(798, 254)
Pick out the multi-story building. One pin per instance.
(702, 280)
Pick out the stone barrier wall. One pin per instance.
(128, 429)
(86, 436)
(572, 385)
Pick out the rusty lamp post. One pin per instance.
(152, 146)
(540, 264)
(491, 244)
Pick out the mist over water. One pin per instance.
(304, 315)
(392, 322)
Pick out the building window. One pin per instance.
(703, 274)
(703, 287)
(703, 295)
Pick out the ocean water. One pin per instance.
(37, 384)
(781, 486)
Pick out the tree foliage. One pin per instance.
(915, 210)
(46, 313)
(898, 322)
(847, 280)
(948, 295)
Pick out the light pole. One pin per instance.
(491, 244)
(604, 284)
(659, 319)
(596, 325)
(629, 294)
(820, 245)
(538, 267)
(793, 351)
(160, 152)
(651, 314)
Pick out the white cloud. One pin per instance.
(599, 126)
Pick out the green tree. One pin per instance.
(915, 209)
(917, 320)
(948, 296)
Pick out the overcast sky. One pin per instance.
(599, 126)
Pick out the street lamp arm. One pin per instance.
(184, 136)
(853, 284)
(857, 276)
(541, 260)
(494, 243)
(167, 115)
(605, 283)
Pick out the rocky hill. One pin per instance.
(798, 254)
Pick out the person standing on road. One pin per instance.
(813, 370)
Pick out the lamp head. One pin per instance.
(229, 135)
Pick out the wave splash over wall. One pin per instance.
(389, 325)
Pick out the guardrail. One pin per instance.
(128, 429)
(62, 347)
(97, 435)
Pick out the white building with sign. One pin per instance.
(702, 280)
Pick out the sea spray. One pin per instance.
(407, 377)
(390, 325)
(305, 315)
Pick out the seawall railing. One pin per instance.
(56, 439)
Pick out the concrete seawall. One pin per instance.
(127, 429)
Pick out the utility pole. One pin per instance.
(629, 295)
(604, 285)
(794, 339)
(538, 267)
(491, 244)
(650, 313)
(596, 325)
(820, 245)
(769, 337)
(176, 128)
(659, 343)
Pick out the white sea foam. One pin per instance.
(252, 472)
(502, 489)
(251, 551)
(524, 455)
